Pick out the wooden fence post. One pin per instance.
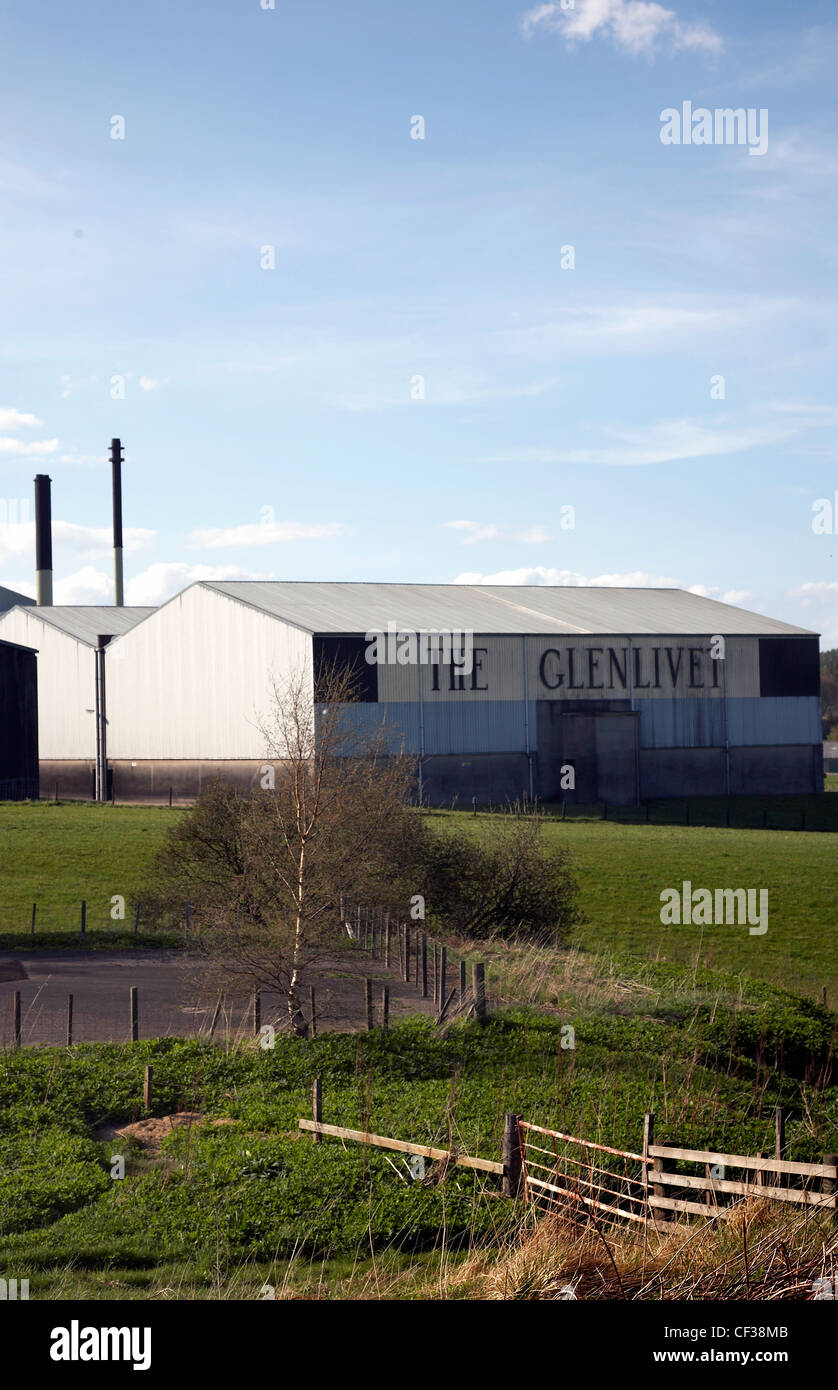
(779, 1140)
(648, 1140)
(147, 1079)
(511, 1155)
(69, 1020)
(478, 989)
(387, 936)
(462, 981)
(257, 1010)
(135, 1014)
(385, 1008)
(83, 925)
(443, 965)
(424, 965)
(16, 1019)
(436, 972)
(831, 1185)
(317, 1107)
(313, 1011)
(34, 911)
(659, 1167)
(368, 1003)
(137, 919)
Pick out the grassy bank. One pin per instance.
(237, 1197)
(623, 868)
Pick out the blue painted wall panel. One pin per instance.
(681, 723)
(773, 720)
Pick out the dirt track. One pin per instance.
(172, 999)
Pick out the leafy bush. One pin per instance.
(509, 886)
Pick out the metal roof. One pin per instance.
(9, 598)
(87, 622)
(496, 609)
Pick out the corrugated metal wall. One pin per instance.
(66, 685)
(194, 680)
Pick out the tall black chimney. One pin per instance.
(43, 539)
(116, 470)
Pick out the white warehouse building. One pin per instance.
(629, 687)
(65, 639)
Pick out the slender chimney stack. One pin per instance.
(116, 470)
(43, 539)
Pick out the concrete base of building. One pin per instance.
(490, 778)
(147, 779)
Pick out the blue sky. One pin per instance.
(273, 419)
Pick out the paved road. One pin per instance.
(173, 999)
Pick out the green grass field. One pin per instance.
(622, 870)
(56, 855)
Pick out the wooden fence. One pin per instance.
(584, 1177)
(428, 965)
(585, 1180)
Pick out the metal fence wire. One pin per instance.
(581, 1177)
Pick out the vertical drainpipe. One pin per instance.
(527, 718)
(421, 726)
(101, 722)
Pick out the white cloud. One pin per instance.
(86, 541)
(86, 585)
(150, 383)
(819, 601)
(161, 581)
(151, 587)
(735, 596)
(666, 442)
(14, 446)
(11, 419)
(546, 574)
(70, 384)
(473, 532)
(443, 387)
(635, 26)
(262, 533)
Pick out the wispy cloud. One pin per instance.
(634, 26)
(668, 441)
(8, 445)
(11, 419)
(548, 574)
(473, 532)
(541, 575)
(85, 541)
(819, 602)
(262, 533)
(162, 581)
